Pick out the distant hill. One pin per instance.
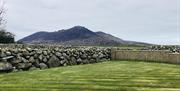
(77, 35)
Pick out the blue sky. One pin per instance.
(153, 21)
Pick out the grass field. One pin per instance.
(106, 76)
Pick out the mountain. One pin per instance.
(77, 35)
(110, 37)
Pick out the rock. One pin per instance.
(40, 57)
(36, 63)
(25, 53)
(64, 54)
(45, 53)
(73, 61)
(8, 53)
(89, 57)
(83, 56)
(95, 56)
(31, 60)
(2, 54)
(58, 54)
(47, 56)
(53, 62)
(79, 61)
(101, 56)
(43, 66)
(15, 51)
(29, 49)
(16, 61)
(35, 49)
(36, 56)
(27, 57)
(45, 60)
(50, 55)
(5, 67)
(8, 57)
(24, 65)
(24, 60)
(62, 58)
(63, 61)
(65, 64)
(68, 57)
(39, 51)
(32, 53)
(33, 68)
(85, 61)
(92, 61)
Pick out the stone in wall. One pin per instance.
(5, 67)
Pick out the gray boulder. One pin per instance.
(45, 53)
(24, 65)
(92, 61)
(63, 61)
(2, 54)
(43, 66)
(24, 60)
(40, 57)
(79, 61)
(8, 57)
(17, 60)
(85, 61)
(53, 62)
(8, 53)
(73, 61)
(31, 59)
(83, 56)
(39, 51)
(58, 54)
(36, 63)
(95, 56)
(101, 55)
(28, 49)
(5, 67)
(44, 60)
(25, 53)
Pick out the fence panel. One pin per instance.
(156, 56)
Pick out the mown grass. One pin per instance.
(106, 76)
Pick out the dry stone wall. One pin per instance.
(31, 57)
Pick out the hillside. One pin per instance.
(77, 35)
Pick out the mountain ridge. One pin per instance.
(76, 35)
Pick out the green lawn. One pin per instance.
(106, 76)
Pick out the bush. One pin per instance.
(6, 37)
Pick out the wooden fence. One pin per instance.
(156, 56)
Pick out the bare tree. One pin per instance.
(2, 11)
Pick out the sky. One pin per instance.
(152, 21)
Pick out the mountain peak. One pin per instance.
(79, 28)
